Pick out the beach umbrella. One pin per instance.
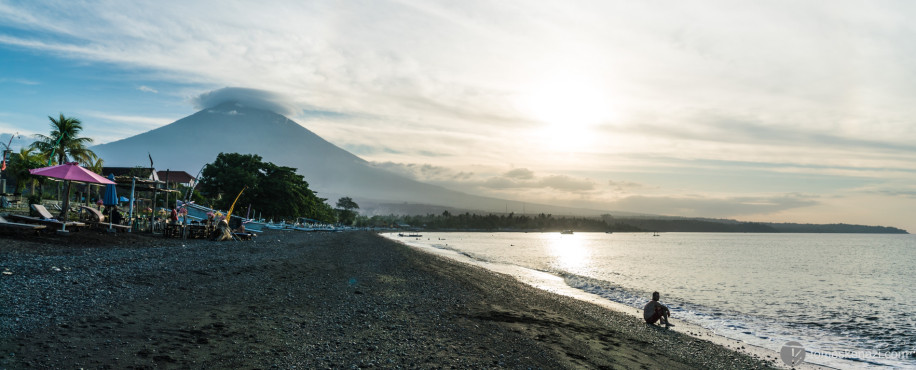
(111, 198)
(69, 172)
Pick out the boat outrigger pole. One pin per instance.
(229, 214)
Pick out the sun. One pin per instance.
(569, 109)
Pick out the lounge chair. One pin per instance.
(46, 219)
(95, 218)
(7, 225)
(91, 215)
(41, 211)
(243, 236)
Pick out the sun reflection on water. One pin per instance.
(570, 252)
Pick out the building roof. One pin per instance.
(180, 177)
(139, 172)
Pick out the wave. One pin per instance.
(842, 339)
(820, 338)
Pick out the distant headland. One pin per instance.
(467, 221)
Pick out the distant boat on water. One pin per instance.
(566, 232)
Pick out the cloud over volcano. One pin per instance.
(248, 98)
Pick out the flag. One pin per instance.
(5, 153)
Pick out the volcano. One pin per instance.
(231, 127)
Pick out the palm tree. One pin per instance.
(65, 141)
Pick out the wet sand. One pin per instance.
(304, 300)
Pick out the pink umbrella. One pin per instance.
(70, 172)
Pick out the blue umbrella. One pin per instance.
(124, 199)
(111, 194)
(110, 199)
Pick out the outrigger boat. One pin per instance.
(198, 212)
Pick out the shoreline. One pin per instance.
(557, 285)
(305, 299)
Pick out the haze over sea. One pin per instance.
(845, 295)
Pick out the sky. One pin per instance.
(780, 111)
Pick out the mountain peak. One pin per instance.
(240, 97)
(227, 127)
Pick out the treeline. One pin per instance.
(545, 222)
(835, 228)
(732, 226)
(492, 222)
(694, 225)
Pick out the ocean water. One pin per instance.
(847, 298)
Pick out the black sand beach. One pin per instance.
(302, 300)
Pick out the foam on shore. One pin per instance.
(557, 285)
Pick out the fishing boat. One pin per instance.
(198, 212)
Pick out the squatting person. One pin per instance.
(655, 312)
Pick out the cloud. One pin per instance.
(891, 190)
(624, 186)
(119, 126)
(148, 89)
(567, 183)
(755, 130)
(701, 206)
(523, 178)
(250, 98)
(142, 122)
(515, 179)
(520, 173)
(21, 81)
(502, 183)
(426, 172)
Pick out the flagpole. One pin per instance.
(133, 185)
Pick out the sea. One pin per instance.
(847, 299)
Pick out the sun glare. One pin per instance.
(569, 108)
(570, 252)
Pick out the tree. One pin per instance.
(276, 191)
(65, 142)
(20, 164)
(284, 193)
(347, 203)
(227, 175)
(345, 213)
